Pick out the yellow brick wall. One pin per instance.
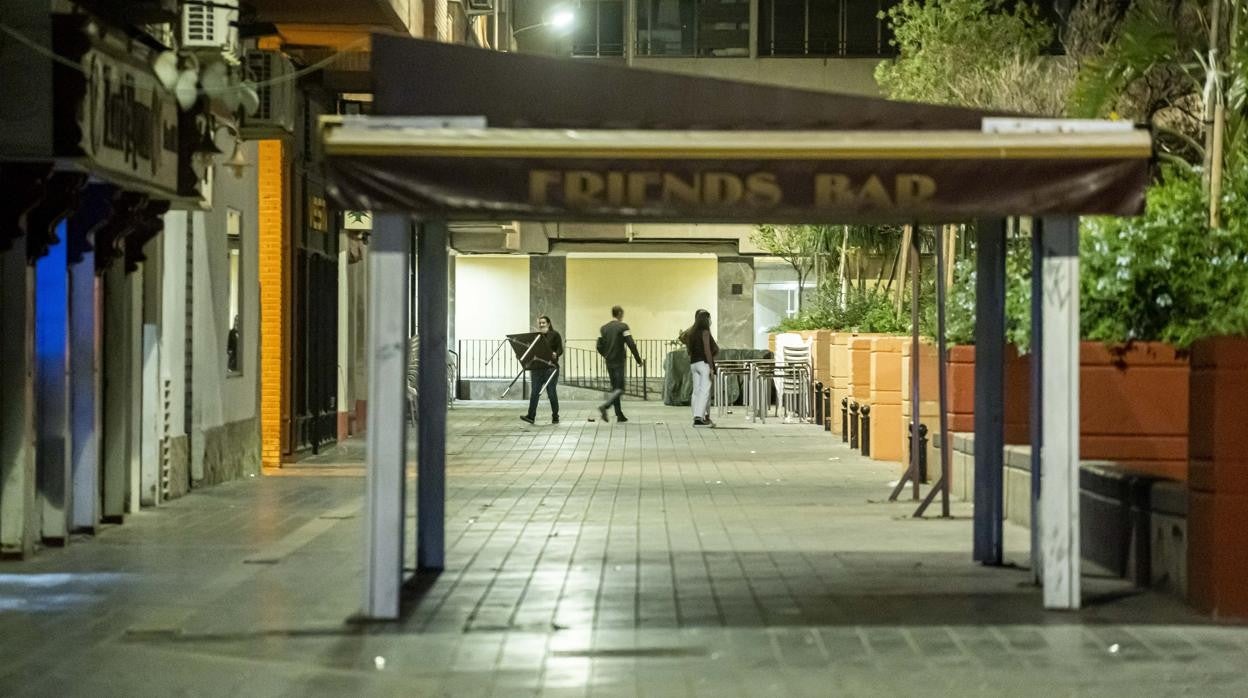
(274, 284)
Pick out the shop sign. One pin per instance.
(129, 122)
(318, 214)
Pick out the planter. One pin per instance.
(1217, 561)
(929, 397)
(961, 377)
(839, 353)
(1133, 404)
(884, 396)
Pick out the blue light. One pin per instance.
(51, 299)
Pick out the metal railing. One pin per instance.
(581, 366)
(584, 368)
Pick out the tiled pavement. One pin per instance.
(588, 559)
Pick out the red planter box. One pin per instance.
(961, 376)
(1132, 401)
(1217, 552)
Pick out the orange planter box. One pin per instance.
(1132, 403)
(929, 397)
(1217, 553)
(961, 377)
(1133, 407)
(885, 397)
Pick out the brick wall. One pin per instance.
(274, 285)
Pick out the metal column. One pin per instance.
(52, 404)
(1036, 424)
(85, 335)
(989, 390)
(1059, 495)
(389, 261)
(432, 281)
(17, 418)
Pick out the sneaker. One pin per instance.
(699, 422)
(554, 420)
(621, 419)
(526, 419)
(603, 412)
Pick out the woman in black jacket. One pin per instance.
(546, 375)
(702, 350)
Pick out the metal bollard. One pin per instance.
(819, 403)
(853, 424)
(826, 399)
(922, 448)
(844, 419)
(865, 430)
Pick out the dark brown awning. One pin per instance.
(567, 140)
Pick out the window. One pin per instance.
(599, 29)
(693, 28)
(233, 342)
(824, 28)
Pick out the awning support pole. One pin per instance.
(386, 457)
(432, 279)
(1059, 494)
(989, 390)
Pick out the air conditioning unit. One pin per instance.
(484, 238)
(479, 7)
(276, 116)
(210, 24)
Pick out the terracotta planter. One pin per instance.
(929, 397)
(820, 354)
(884, 396)
(1217, 553)
(1133, 406)
(1132, 402)
(961, 377)
(842, 379)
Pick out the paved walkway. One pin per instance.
(647, 558)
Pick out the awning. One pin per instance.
(564, 140)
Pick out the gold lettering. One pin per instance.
(677, 189)
(762, 190)
(722, 189)
(914, 189)
(539, 183)
(874, 193)
(615, 189)
(832, 190)
(581, 189)
(639, 187)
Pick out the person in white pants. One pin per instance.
(702, 350)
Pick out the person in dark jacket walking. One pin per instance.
(546, 375)
(613, 338)
(702, 350)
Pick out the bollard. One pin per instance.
(827, 409)
(864, 432)
(844, 419)
(853, 424)
(819, 403)
(922, 449)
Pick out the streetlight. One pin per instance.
(559, 17)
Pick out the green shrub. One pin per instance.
(862, 311)
(960, 304)
(1167, 275)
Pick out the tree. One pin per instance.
(799, 245)
(1180, 66)
(975, 53)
